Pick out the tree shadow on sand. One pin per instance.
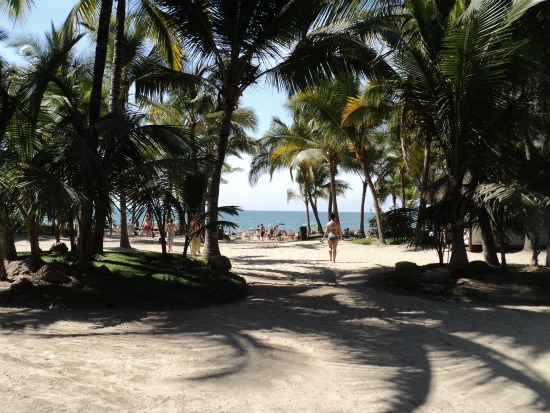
(395, 339)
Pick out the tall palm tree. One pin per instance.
(457, 65)
(243, 41)
(325, 105)
(40, 189)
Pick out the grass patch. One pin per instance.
(364, 241)
(135, 280)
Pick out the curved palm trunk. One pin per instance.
(377, 210)
(370, 184)
(211, 242)
(488, 240)
(315, 212)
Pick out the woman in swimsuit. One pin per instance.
(334, 234)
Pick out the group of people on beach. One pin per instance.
(333, 233)
(147, 229)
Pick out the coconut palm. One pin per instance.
(456, 69)
(325, 106)
(31, 161)
(243, 41)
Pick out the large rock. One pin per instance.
(59, 247)
(437, 276)
(219, 263)
(21, 283)
(406, 266)
(14, 268)
(53, 273)
(479, 266)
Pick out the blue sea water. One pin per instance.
(294, 219)
(287, 219)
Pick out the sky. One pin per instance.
(268, 194)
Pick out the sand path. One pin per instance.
(311, 338)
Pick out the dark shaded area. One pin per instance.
(131, 280)
(408, 330)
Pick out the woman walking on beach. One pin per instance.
(334, 234)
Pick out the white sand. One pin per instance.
(310, 338)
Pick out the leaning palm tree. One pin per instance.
(243, 41)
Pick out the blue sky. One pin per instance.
(267, 195)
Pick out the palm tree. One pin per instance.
(243, 41)
(41, 190)
(327, 107)
(456, 68)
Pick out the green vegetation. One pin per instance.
(134, 280)
(451, 119)
(364, 241)
(521, 285)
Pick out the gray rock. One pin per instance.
(437, 276)
(53, 273)
(59, 247)
(14, 268)
(219, 263)
(479, 266)
(406, 266)
(21, 283)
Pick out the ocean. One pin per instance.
(288, 220)
(294, 219)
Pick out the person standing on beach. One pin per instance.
(147, 225)
(170, 231)
(262, 231)
(334, 234)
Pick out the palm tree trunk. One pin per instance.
(7, 243)
(403, 189)
(102, 42)
(315, 212)
(118, 57)
(362, 210)
(33, 228)
(423, 187)
(459, 257)
(488, 240)
(333, 171)
(94, 112)
(124, 239)
(211, 242)
(307, 215)
(3, 274)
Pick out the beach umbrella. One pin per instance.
(276, 224)
(252, 229)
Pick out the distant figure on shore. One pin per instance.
(170, 231)
(334, 234)
(147, 225)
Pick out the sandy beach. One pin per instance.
(310, 338)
